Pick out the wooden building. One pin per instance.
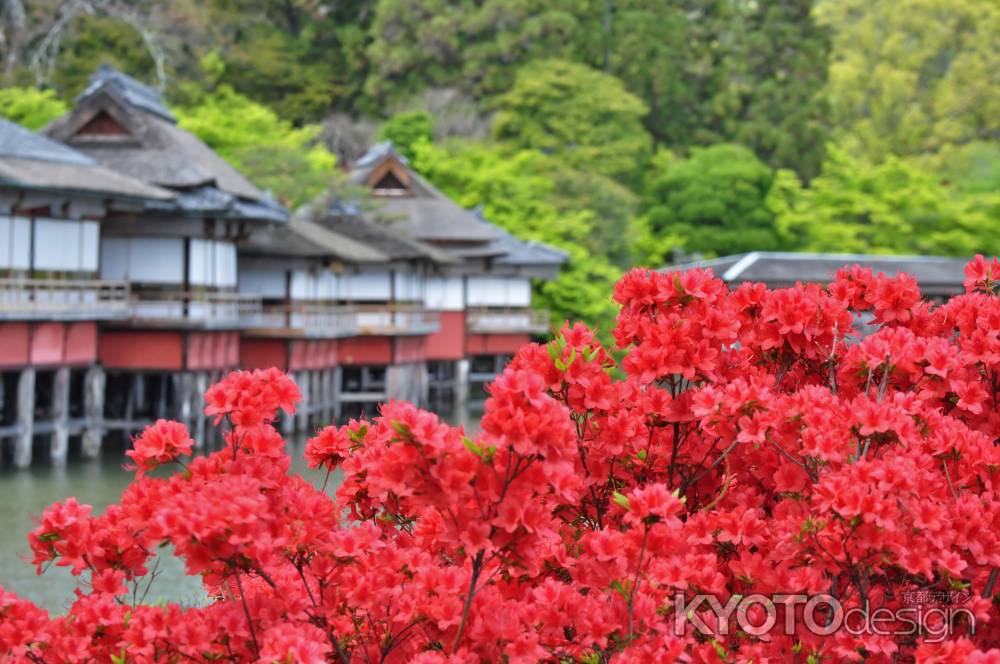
(138, 267)
(387, 358)
(178, 255)
(54, 204)
(339, 312)
(483, 297)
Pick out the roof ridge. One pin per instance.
(132, 91)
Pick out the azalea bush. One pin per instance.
(760, 443)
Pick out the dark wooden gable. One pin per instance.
(390, 178)
(102, 124)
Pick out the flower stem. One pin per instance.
(477, 567)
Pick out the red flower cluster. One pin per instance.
(837, 442)
(159, 443)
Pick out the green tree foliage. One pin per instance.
(407, 129)
(912, 76)
(892, 207)
(30, 107)
(974, 167)
(722, 71)
(578, 114)
(274, 154)
(516, 192)
(714, 202)
(772, 99)
(474, 45)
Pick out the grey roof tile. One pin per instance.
(35, 161)
(934, 274)
(21, 143)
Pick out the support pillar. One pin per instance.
(25, 418)
(461, 384)
(422, 378)
(398, 381)
(185, 397)
(337, 378)
(304, 384)
(59, 443)
(326, 384)
(94, 386)
(318, 403)
(198, 400)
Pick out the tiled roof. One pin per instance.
(35, 161)
(21, 143)
(935, 274)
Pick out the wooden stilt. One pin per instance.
(316, 407)
(198, 408)
(304, 383)
(25, 418)
(94, 385)
(461, 385)
(161, 397)
(337, 407)
(59, 443)
(327, 385)
(184, 398)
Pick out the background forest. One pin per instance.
(624, 131)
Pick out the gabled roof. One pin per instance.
(150, 145)
(934, 274)
(35, 161)
(424, 213)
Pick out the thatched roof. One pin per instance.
(424, 212)
(304, 238)
(34, 161)
(421, 211)
(382, 237)
(144, 139)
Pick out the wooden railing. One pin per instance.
(395, 319)
(311, 320)
(56, 299)
(485, 321)
(345, 320)
(202, 309)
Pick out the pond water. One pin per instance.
(25, 494)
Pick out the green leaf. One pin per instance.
(720, 650)
(622, 590)
(402, 429)
(621, 500)
(553, 351)
(473, 447)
